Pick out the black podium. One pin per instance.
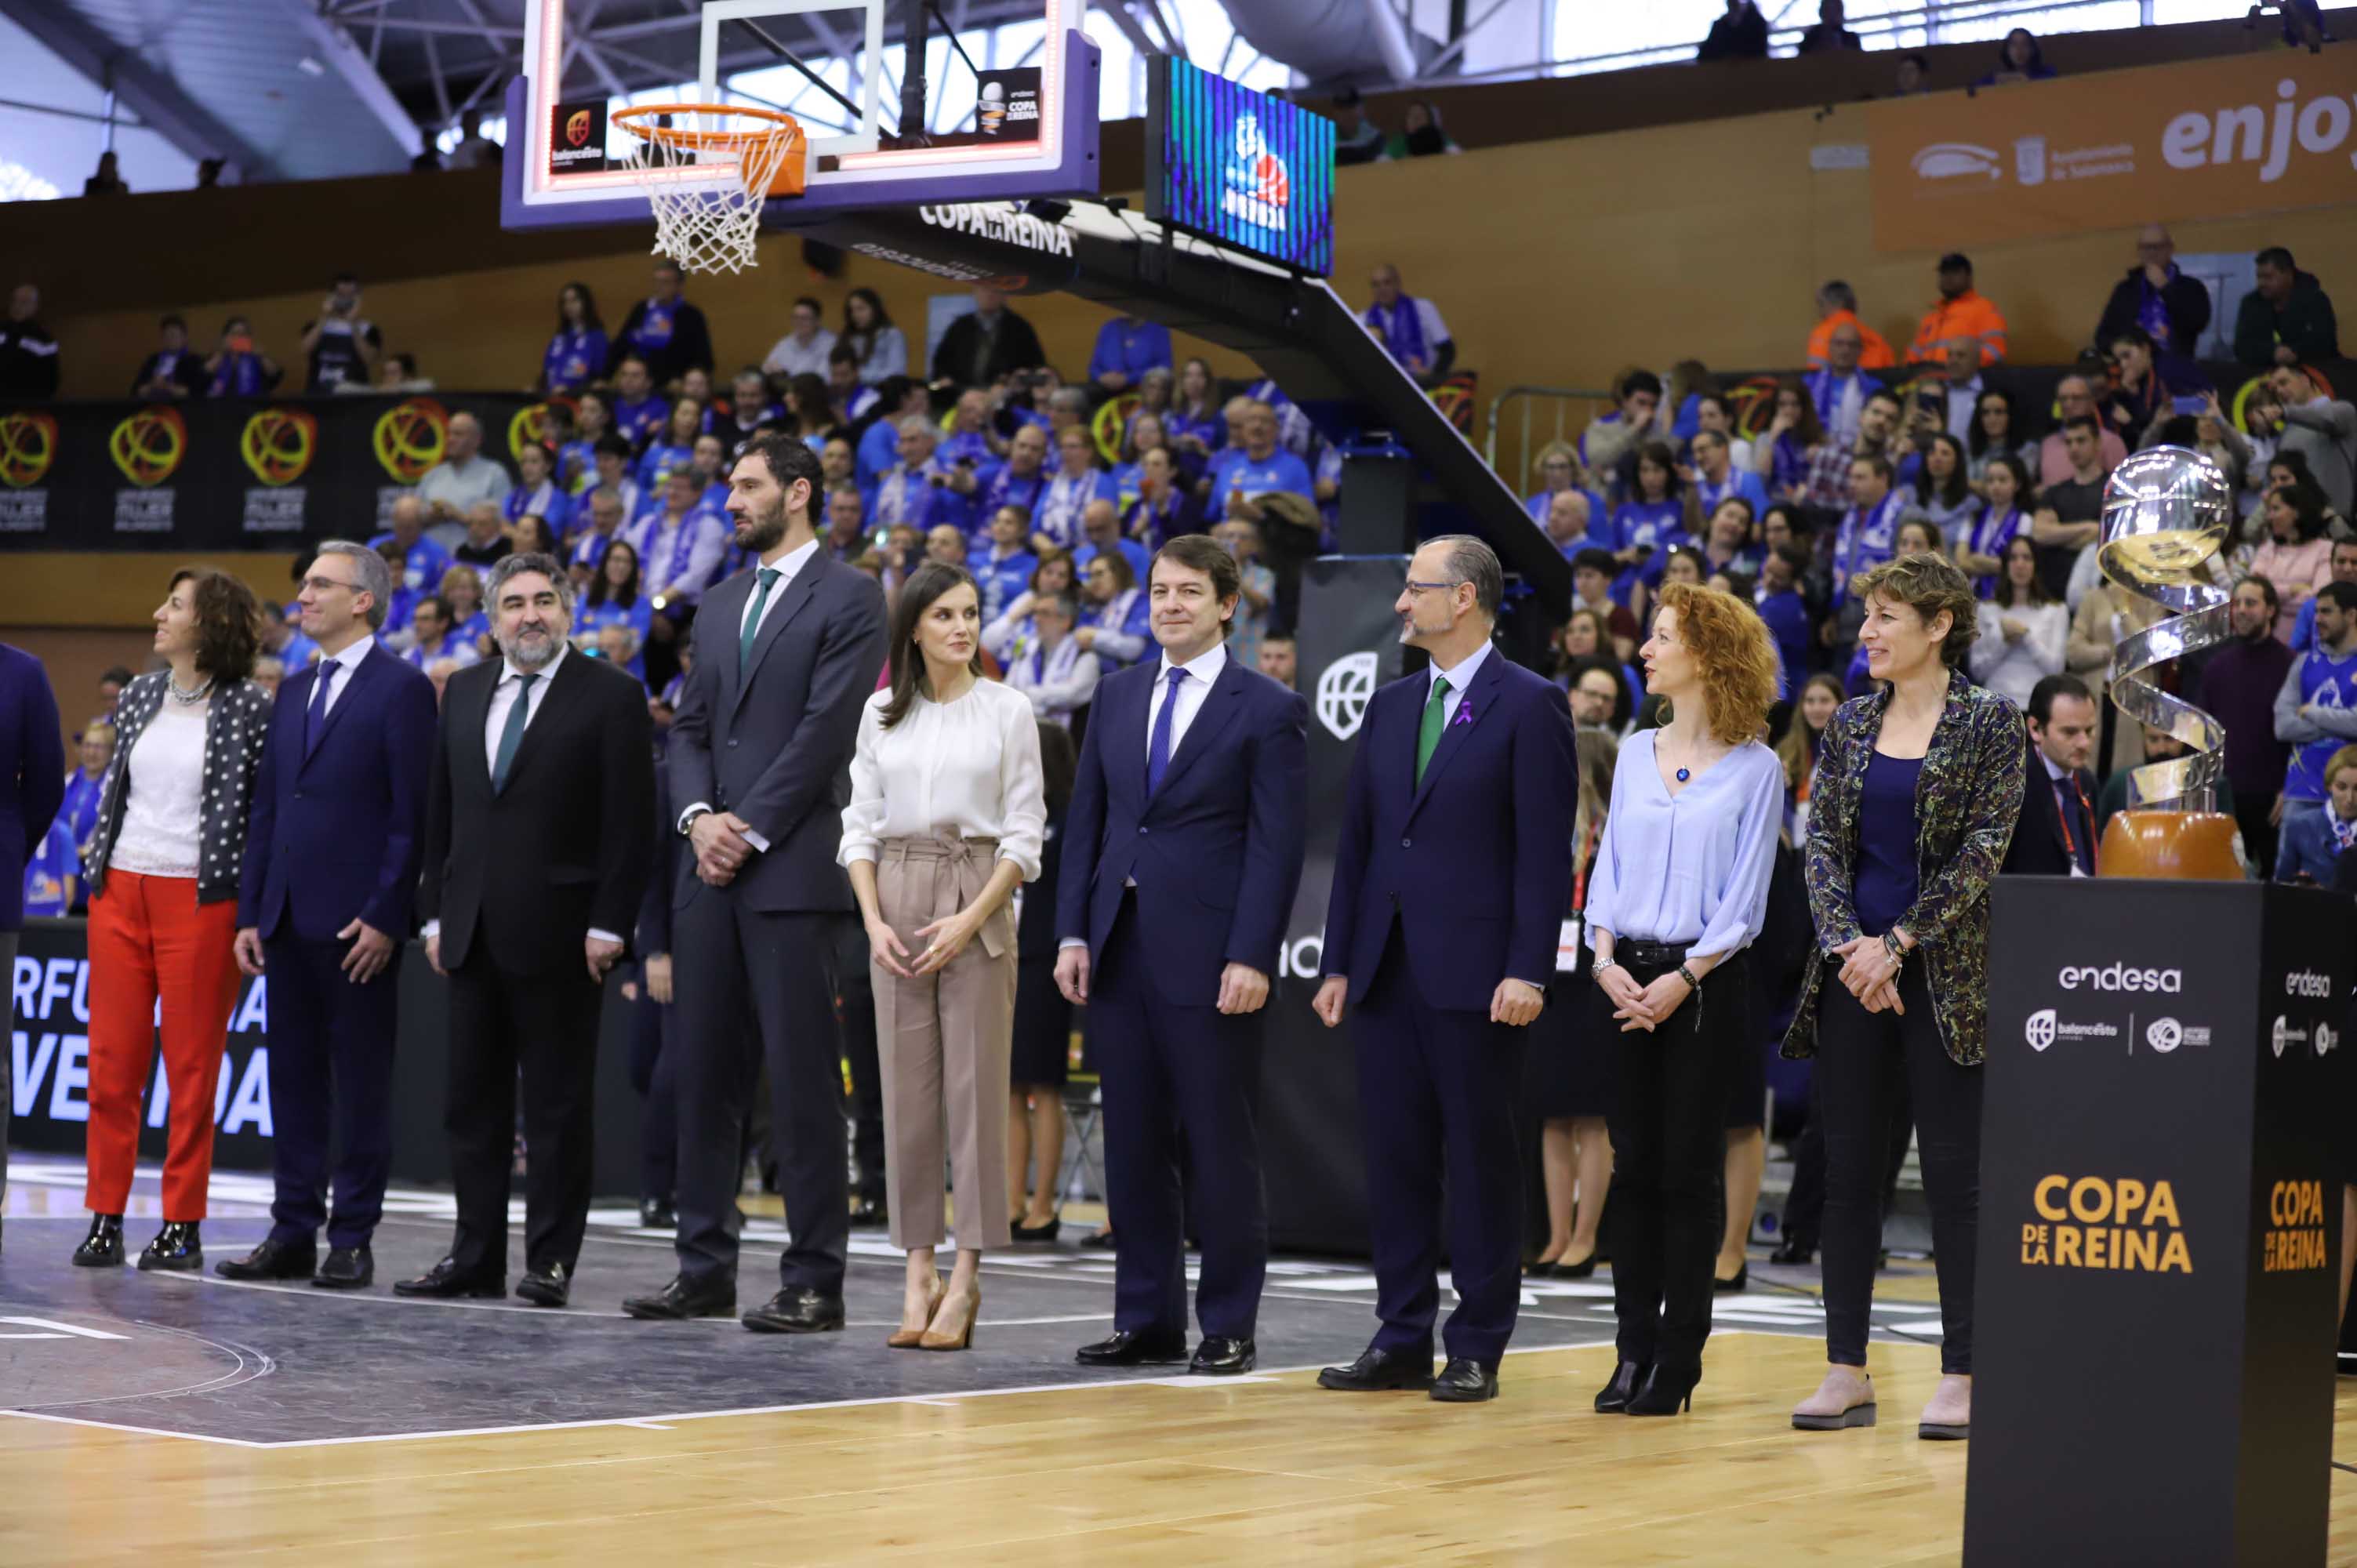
(2159, 1223)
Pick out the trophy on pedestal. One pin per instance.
(2167, 511)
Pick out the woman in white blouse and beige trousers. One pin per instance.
(948, 813)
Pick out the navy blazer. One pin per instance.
(340, 832)
(32, 773)
(1216, 852)
(1476, 863)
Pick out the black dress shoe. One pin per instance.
(867, 1210)
(548, 1284)
(445, 1281)
(1742, 1280)
(1464, 1382)
(1135, 1348)
(1792, 1254)
(102, 1247)
(715, 1295)
(177, 1248)
(347, 1268)
(657, 1214)
(1220, 1356)
(1036, 1232)
(1098, 1239)
(273, 1259)
(1667, 1391)
(1378, 1370)
(797, 1309)
(1627, 1379)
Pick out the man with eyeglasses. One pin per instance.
(332, 863)
(2074, 398)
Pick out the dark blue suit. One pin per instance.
(1440, 892)
(337, 833)
(1216, 855)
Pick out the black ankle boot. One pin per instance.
(1666, 1393)
(175, 1248)
(1627, 1379)
(102, 1247)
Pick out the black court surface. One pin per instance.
(285, 1365)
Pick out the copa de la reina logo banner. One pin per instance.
(2208, 139)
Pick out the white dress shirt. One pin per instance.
(968, 769)
(1193, 692)
(348, 664)
(504, 700)
(1460, 681)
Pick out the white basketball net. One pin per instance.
(708, 225)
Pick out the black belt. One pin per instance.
(1635, 951)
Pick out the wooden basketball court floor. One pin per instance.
(146, 1418)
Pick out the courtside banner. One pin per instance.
(2216, 138)
(230, 474)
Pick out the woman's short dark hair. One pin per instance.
(1051, 555)
(926, 583)
(1201, 553)
(229, 622)
(1928, 585)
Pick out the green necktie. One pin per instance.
(1436, 718)
(512, 734)
(769, 575)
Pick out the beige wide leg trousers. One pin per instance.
(942, 1041)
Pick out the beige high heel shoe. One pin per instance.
(953, 1325)
(908, 1338)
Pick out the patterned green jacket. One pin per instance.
(1965, 804)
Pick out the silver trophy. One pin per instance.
(2167, 511)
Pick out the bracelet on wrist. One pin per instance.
(1688, 975)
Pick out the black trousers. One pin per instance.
(1667, 1204)
(1436, 1099)
(330, 1085)
(855, 1011)
(1861, 1059)
(653, 1075)
(545, 1025)
(1182, 1138)
(757, 989)
(1805, 1205)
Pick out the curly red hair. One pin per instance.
(1731, 648)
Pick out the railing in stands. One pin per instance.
(1542, 415)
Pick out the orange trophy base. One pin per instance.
(2189, 846)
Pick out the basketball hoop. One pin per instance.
(709, 224)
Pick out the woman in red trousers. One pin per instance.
(163, 865)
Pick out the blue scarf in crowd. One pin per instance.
(1403, 334)
(2152, 309)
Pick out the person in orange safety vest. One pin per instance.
(1961, 312)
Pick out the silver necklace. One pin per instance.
(189, 698)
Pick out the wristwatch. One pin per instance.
(687, 822)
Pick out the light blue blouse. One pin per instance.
(1689, 869)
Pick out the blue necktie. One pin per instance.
(1158, 749)
(315, 720)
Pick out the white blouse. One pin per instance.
(1689, 869)
(164, 805)
(970, 768)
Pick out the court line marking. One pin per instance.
(666, 1422)
(663, 1422)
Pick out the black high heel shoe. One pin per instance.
(1578, 1271)
(102, 1247)
(1741, 1282)
(1613, 1398)
(1665, 1392)
(176, 1249)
